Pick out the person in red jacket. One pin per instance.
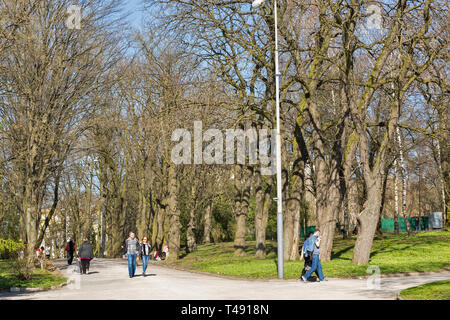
(70, 249)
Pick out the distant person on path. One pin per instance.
(86, 254)
(132, 248)
(38, 253)
(165, 252)
(47, 252)
(316, 265)
(42, 258)
(70, 249)
(145, 254)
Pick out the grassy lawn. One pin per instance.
(426, 251)
(39, 278)
(439, 290)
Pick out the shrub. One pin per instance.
(23, 268)
(22, 265)
(10, 249)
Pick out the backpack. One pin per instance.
(70, 246)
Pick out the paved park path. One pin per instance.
(109, 280)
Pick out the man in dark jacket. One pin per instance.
(86, 254)
(131, 249)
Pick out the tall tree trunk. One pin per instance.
(345, 229)
(403, 176)
(291, 219)
(349, 181)
(293, 252)
(190, 236)
(259, 232)
(368, 220)
(31, 209)
(242, 195)
(142, 222)
(263, 201)
(444, 154)
(383, 198)
(52, 210)
(442, 183)
(158, 227)
(174, 215)
(117, 226)
(329, 202)
(396, 209)
(207, 229)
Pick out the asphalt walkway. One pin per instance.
(109, 280)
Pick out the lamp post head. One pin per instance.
(257, 3)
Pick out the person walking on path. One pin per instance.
(47, 252)
(306, 253)
(131, 249)
(316, 265)
(145, 254)
(41, 258)
(70, 249)
(86, 254)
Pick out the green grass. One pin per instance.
(439, 290)
(39, 278)
(426, 251)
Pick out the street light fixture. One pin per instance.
(256, 4)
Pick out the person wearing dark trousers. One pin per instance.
(70, 249)
(316, 265)
(307, 256)
(145, 254)
(131, 249)
(86, 254)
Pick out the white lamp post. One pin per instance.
(256, 4)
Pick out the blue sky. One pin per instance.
(134, 6)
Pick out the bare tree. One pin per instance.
(49, 69)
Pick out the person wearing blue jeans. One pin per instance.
(145, 254)
(131, 264)
(131, 249)
(316, 265)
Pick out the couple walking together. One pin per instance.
(310, 252)
(132, 249)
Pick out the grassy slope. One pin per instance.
(439, 290)
(39, 278)
(426, 251)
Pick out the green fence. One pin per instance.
(388, 224)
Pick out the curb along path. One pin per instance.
(108, 279)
